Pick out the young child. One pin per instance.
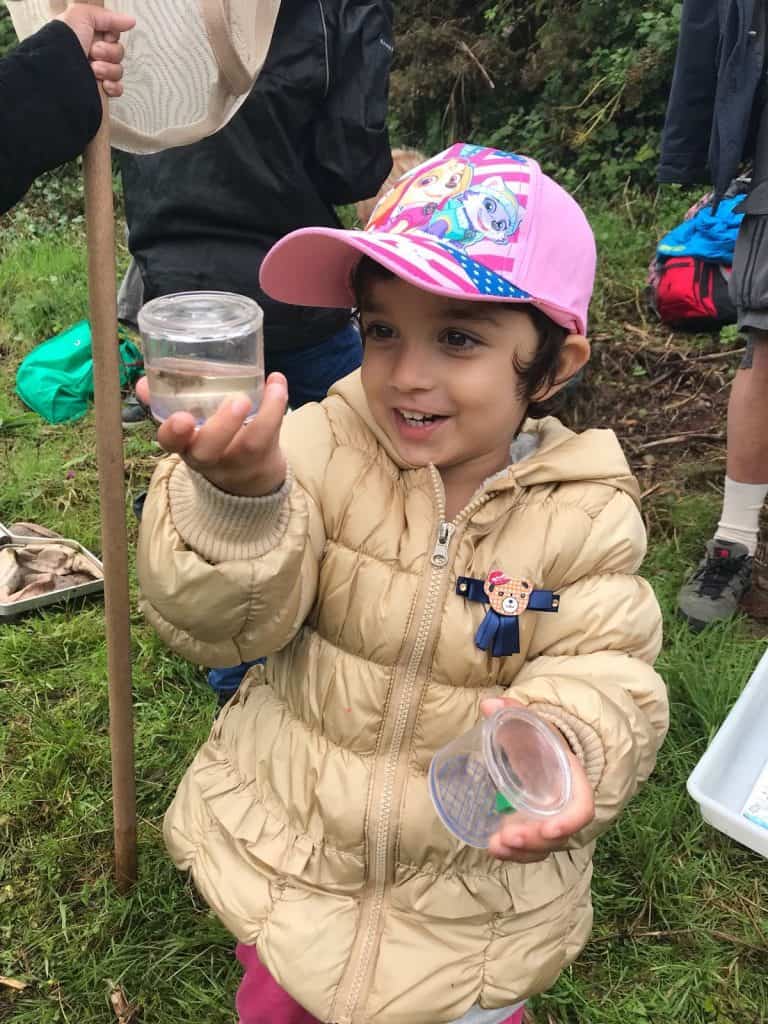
(334, 546)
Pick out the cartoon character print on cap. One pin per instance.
(487, 212)
(419, 194)
(507, 596)
(466, 210)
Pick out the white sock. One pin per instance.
(741, 507)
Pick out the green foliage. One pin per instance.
(627, 229)
(580, 85)
(7, 35)
(42, 286)
(55, 200)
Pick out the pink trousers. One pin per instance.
(260, 1000)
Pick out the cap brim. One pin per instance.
(314, 267)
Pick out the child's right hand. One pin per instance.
(237, 457)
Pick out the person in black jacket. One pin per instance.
(311, 136)
(716, 120)
(50, 106)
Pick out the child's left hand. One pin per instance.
(527, 841)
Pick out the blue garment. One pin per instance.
(709, 235)
(224, 681)
(311, 372)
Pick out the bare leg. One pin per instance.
(748, 418)
(721, 579)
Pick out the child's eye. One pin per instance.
(458, 341)
(378, 332)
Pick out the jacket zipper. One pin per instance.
(383, 836)
(445, 532)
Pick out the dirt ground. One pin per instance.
(666, 396)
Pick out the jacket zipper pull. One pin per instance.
(440, 554)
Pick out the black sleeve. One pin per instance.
(50, 108)
(688, 123)
(351, 142)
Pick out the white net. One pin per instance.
(189, 64)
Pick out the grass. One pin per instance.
(681, 928)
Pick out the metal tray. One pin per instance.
(15, 608)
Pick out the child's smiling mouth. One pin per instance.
(413, 424)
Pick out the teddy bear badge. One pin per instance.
(506, 598)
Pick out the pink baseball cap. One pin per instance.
(472, 223)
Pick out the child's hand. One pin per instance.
(106, 53)
(237, 457)
(527, 841)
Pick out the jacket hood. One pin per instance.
(560, 456)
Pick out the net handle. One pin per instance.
(102, 287)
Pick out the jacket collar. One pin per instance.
(560, 455)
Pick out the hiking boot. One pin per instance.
(755, 601)
(717, 584)
(134, 412)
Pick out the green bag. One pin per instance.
(56, 378)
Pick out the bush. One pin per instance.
(580, 84)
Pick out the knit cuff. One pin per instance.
(583, 740)
(224, 527)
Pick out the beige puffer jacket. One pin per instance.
(305, 819)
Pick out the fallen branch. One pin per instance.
(640, 331)
(664, 377)
(681, 439)
(717, 355)
(483, 72)
(683, 401)
(651, 490)
(675, 933)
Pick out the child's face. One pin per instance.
(450, 361)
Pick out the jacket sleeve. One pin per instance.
(591, 670)
(688, 123)
(352, 154)
(50, 108)
(226, 579)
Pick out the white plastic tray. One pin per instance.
(721, 781)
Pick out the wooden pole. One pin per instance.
(100, 222)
